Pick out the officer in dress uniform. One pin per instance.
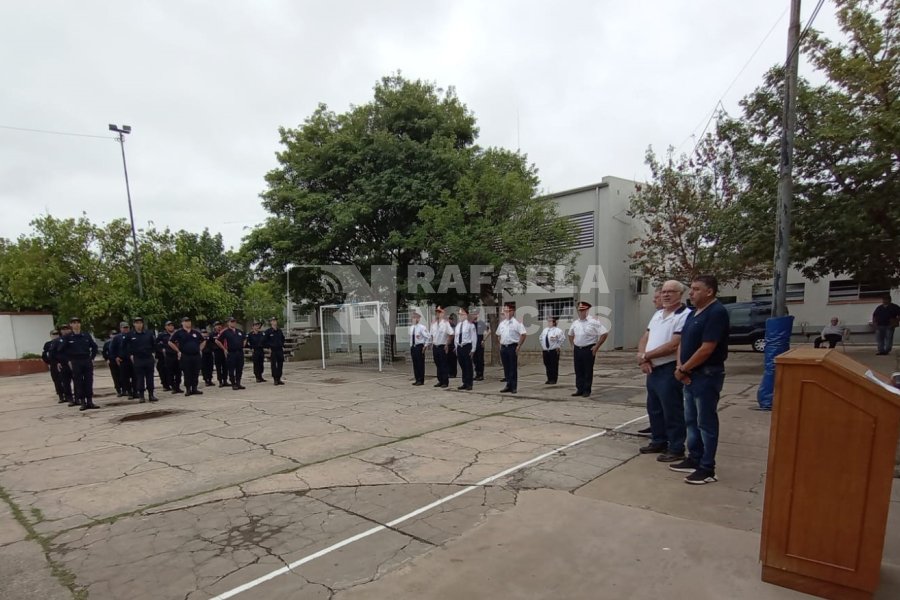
(188, 344)
(79, 350)
(173, 365)
(140, 346)
(219, 358)
(273, 339)
(511, 335)
(56, 360)
(255, 342)
(111, 362)
(54, 370)
(464, 339)
(440, 336)
(452, 360)
(418, 338)
(586, 334)
(232, 340)
(117, 353)
(551, 346)
(206, 359)
(481, 330)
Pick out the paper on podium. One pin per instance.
(871, 376)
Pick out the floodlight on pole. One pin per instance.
(137, 255)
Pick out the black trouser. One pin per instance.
(115, 373)
(83, 378)
(235, 366)
(190, 366)
(418, 362)
(439, 353)
(584, 369)
(464, 356)
(831, 338)
(510, 361)
(143, 374)
(162, 371)
(220, 362)
(478, 357)
(276, 358)
(451, 362)
(173, 370)
(551, 364)
(65, 382)
(57, 383)
(259, 361)
(126, 376)
(206, 366)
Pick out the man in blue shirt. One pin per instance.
(701, 368)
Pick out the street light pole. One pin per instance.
(137, 254)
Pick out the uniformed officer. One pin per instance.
(219, 358)
(418, 338)
(464, 339)
(159, 352)
(274, 341)
(255, 342)
(54, 370)
(126, 369)
(439, 338)
(551, 346)
(111, 362)
(140, 346)
(481, 331)
(65, 371)
(452, 362)
(206, 356)
(173, 366)
(586, 334)
(232, 340)
(188, 343)
(511, 334)
(79, 350)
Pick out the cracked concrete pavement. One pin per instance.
(236, 484)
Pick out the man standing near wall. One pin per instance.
(511, 335)
(885, 318)
(551, 346)
(701, 368)
(586, 334)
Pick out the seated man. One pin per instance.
(830, 333)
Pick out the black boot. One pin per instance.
(153, 398)
(196, 391)
(141, 399)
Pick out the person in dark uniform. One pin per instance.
(219, 358)
(255, 342)
(159, 352)
(173, 367)
(274, 340)
(478, 354)
(232, 340)
(452, 365)
(117, 352)
(110, 361)
(206, 357)
(188, 343)
(140, 346)
(79, 350)
(57, 362)
(54, 370)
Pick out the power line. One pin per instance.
(51, 132)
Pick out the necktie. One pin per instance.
(547, 339)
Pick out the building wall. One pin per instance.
(22, 333)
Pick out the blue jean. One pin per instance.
(665, 406)
(701, 400)
(884, 338)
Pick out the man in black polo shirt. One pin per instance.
(140, 346)
(51, 365)
(58, 362)
(701, 368)
(188, 343)
(274, 340)
(117, 354)
(173, 368)
(79, 350)
(232, 340)
(255, 341)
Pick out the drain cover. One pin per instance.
(152, 414)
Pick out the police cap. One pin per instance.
(185, 319)
(168, 323)
(136, 319)
(230, 319)
(65, 326)
(584, 305)
(217, 323)
(74, 320)
(257, 322)
(123, 324)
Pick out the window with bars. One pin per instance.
(365, 311)
(562, 308)
(849, 290)
(583, 225)
(762, 292)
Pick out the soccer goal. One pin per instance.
(355, 334)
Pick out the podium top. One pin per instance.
(842, 365)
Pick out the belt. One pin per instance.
(418, 345)
(464, 345)
(583, 347)
(508, 345)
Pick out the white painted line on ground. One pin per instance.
(355, 538)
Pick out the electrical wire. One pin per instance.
(51, 132)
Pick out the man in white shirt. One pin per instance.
(511, 335)
(418, 337)
(830, 333)
(441, 333)
(586, 334)
(551, 346)
(465, 341)
(657, 354)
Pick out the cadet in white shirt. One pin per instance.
(441, 334)
(465, 340)
(418, 337)
(657, 353)
(511, 335)
(551, 346)
(586, 334)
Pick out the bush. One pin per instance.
(30, 355)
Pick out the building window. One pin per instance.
(850, 290)
(583, 225)
(762, 292)
(561, 308)
(365, 311)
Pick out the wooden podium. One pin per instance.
(828, 487)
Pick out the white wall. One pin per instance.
(23, 332)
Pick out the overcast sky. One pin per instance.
(581, 87)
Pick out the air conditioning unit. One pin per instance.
(639, 285)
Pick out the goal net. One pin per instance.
(355, 335)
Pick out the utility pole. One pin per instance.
(137, 254)
(785, 180)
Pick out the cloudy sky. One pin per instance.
(582, 87)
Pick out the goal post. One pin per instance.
(355, 334)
